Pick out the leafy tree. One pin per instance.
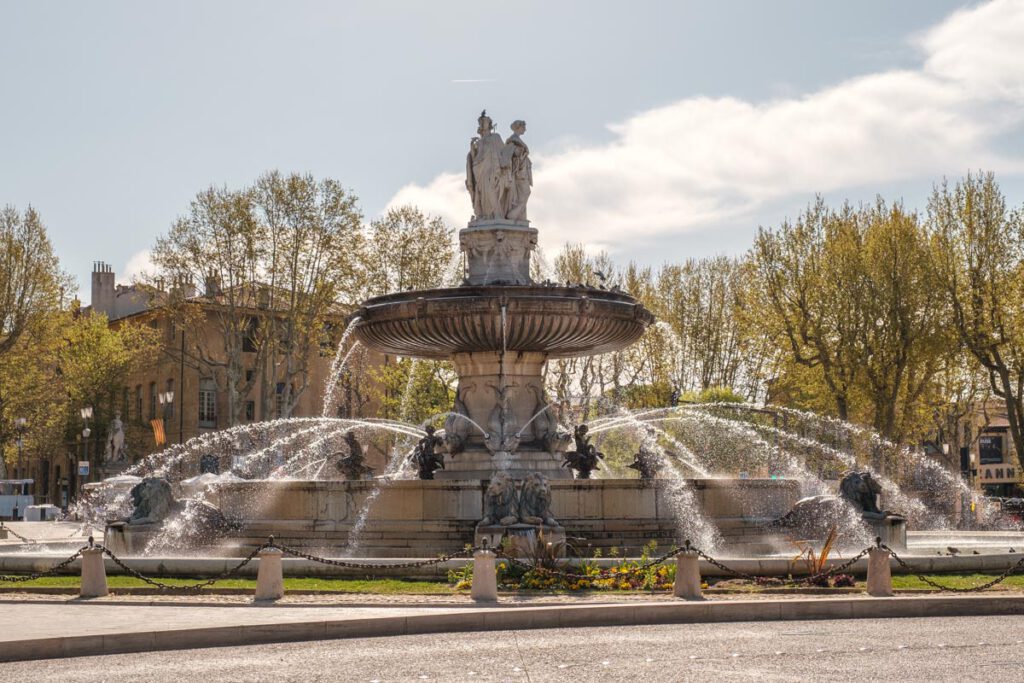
(281, 265)
(978, 256)
(801, 294)
(32, 286)
(220, 244)
(848, 293)
(406, 249)
(312, 232)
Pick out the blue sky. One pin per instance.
(659, 130)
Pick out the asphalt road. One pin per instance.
(933, 649)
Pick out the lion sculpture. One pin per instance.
(500, 501)
(152, 500)
(861, 490)
(535, 500)
(816, 514)
(155, 504)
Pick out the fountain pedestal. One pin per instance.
(480, 464)
(892, 529)
(498, 251)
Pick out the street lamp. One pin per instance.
(86, 414)
(166, 399)
(20, 427)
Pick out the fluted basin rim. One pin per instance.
(559, 321)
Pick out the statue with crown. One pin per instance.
(498, 173)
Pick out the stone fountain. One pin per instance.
(502, 467)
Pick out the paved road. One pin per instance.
(934, 649)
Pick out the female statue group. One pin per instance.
(498, 172)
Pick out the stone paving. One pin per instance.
(29, 620)
(409, 600)
(925, 650)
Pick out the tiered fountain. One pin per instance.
(507, 464)
(503, 450)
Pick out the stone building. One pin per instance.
(989, 459)
(179, 395)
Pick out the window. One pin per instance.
(152, 400)
(249, 340)
(138, 402)
(250, 411)
(279, 400)
(126, 403)
(249, 374)
(207, 403)
(169, 407)
(990, 448)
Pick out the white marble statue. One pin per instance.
(498, 174)
(484, 177)
(521, 171)
(115, 440)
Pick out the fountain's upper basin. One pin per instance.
(558, 321)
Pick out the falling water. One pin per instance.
(337, 368)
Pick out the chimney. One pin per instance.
(103, 288)
(182, 287)
(211, 286)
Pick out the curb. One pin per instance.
(500, 619)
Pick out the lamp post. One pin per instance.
(166, 399)
(20, 427)
(86, 414)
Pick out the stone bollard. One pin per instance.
(94, 574)
(3, 532)
(270, 575)
(879, 574)
(485, 577)
(687, 584)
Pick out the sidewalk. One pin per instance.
(42, 629)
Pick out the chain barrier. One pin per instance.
(954, 589)
(52, 571)
(271, 544)
(226, 574)
(601, 574)
(18, 536)
(812, 579)
(374, 565)
(233, 571)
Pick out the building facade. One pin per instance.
(989, 460)
(179, 397)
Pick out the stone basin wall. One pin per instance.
(422, 518)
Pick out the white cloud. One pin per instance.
(138, 265)
(701, 162)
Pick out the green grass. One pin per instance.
(400, 587)
(956, 581)
(370, 586)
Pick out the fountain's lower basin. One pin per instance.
(424, 518)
